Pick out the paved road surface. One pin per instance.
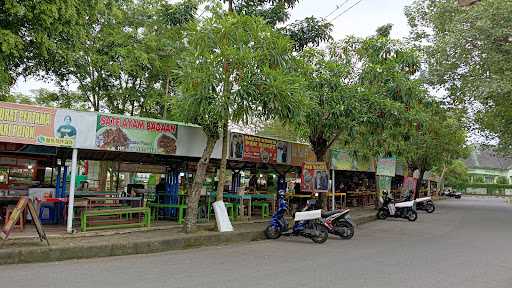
(465, 243)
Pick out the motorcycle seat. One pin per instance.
(422, 199)
(404, 204)
(330, 213)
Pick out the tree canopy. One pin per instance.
(35, 34)
(467, 53)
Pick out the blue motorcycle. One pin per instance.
(312, 228)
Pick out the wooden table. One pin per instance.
(343, 197)
(361, 196)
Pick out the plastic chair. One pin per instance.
(51, 216)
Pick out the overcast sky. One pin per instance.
(361, 20)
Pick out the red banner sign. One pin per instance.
(315, 177)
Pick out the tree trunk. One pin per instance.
(440, 185)
(418, 183)
(103, 176)
(166, 100)
(197, 185)
(224, 161)
(320, 152)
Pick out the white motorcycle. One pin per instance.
(389, 208)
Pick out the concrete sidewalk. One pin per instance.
(139, 242)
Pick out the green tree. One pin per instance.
(280, 130)
(306, 32)
(437, 141)
(457, 175)
(233, 68)
(467, 53)
(502, 180)
(125, 63)
(35, 33)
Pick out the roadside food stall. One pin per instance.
(355, 180)
(45, 148)
(260, 167)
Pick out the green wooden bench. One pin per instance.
(181, 210)
(124, 220)
(264, 207)
(232, 209)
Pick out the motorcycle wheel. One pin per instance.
(430, 208)
(272, 232)
(344, 230)
(324, 234)
(412, 215)
(382, 214)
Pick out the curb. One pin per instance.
(60, 253)
(201, 239)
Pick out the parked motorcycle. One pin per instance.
(425, 203)
(307, 223)
(389, 208)
(337, 222)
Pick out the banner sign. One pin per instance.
(315, 177)
(259, 149)
(384, 184)
(301, 153)
(400, 169)
(341, 160)
(133, 134)
(409, 185)
(386, 166)
(141, 168)
(30, 125)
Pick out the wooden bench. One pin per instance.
(117, 222)
(264, 207)
(181, 210)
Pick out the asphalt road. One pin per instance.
(465, 243)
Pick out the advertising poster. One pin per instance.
(284, 152)
(29, 125)
(133, 134)
(386, 166)
(301, 153)
(76, 126)
(341, 160)
(384, 184)
(236, 146)
(315, 177)
(259, 149)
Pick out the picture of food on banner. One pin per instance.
(112, 138)
(133, 134)
(166, 144)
